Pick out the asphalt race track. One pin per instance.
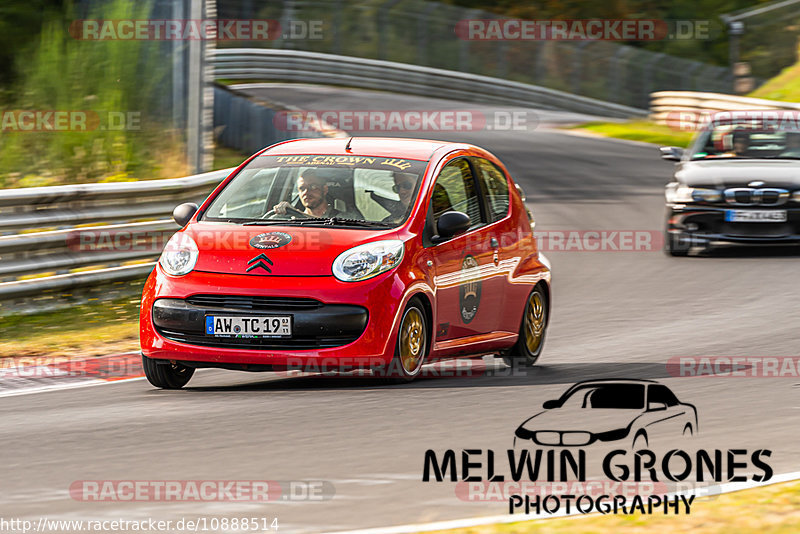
(615, 314)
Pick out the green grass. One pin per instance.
(107, 80)
(89, 329)
(784, 87)
(771, 509)
(640, 130)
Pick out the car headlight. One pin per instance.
(682, 194)
(179, 255)
(368, 260)
(796, 196)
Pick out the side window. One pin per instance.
(455, 191)
(494, 187)
(662, 394)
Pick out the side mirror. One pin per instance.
(183, 214)
(549, 405)
(451, 224)
(656, 406)
(671, 153)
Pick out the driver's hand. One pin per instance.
(281, 207)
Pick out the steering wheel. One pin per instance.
(290, 210)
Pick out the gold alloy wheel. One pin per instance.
(412, 340)
(534, 322)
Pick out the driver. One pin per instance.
(741, 143)
(313, 195)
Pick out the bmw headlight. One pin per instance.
(681, 194)
(179, 255)
(368, 260)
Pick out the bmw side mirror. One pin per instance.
(671, 153)
(656, 406)
(549, 405)
(451, 224)
(183, 214)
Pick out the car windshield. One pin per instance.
(353, 191)
(752, 136)
(618, 396)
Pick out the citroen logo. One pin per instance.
(258, 261)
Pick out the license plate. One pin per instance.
(755, 215)
(255, 327)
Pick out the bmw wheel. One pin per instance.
(677, 244)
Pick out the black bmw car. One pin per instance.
(640, 411)
(737, 183)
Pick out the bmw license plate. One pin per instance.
(255, 327)
(772, 216)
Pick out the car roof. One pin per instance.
(602, 381)
(389, 147)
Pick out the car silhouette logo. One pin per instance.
(641, 411)
(259, 262)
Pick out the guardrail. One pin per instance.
(312, 67)
(248, 125)
(665, 106)
(55, 247)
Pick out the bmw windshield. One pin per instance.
(748, 138)
(354, 191)
(616, 396)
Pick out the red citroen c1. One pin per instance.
(349, 254)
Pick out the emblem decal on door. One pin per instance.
(469, 292)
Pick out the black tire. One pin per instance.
(532, 331)
(677, 245)
(411, 346)
(166, 376)
(688, 431)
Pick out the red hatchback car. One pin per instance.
(348, 254)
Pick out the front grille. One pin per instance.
(244, 302)
(315, 325)
(748, 196)
(766, 230)
(296, 343)
(770, 197)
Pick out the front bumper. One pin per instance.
(704, 225)
(336, 325)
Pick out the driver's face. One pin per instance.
(312, 191)
(740, 146)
